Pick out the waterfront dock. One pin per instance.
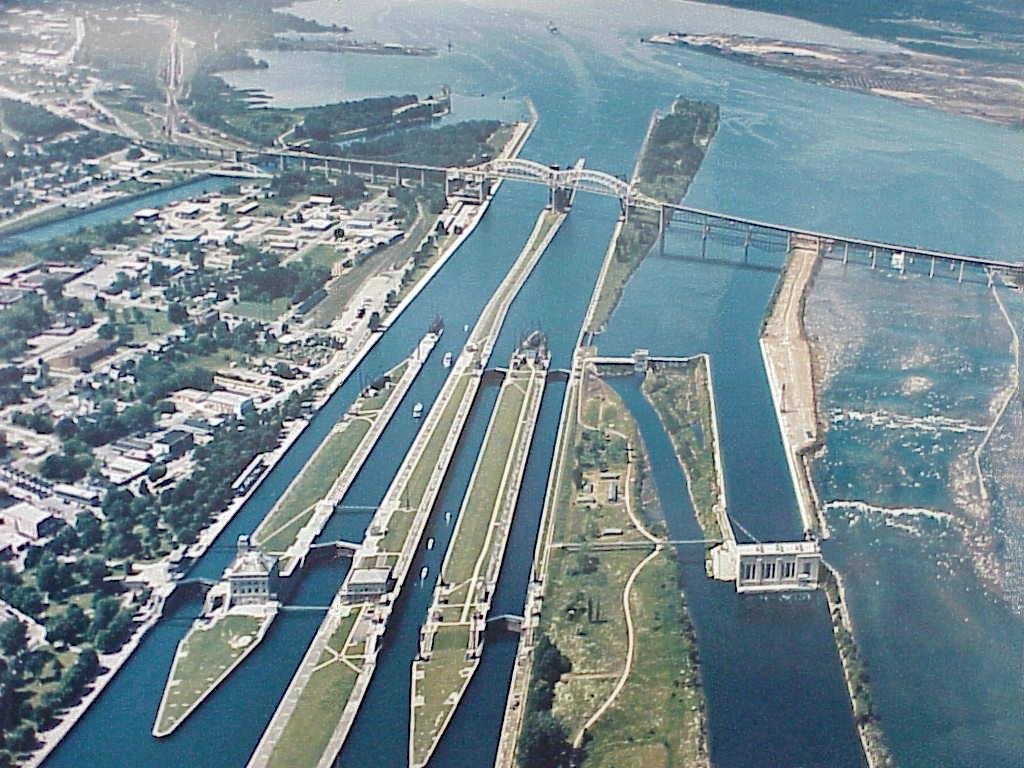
(452, 638)
(302, 727)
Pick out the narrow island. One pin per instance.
(237, 613)
(301, 513)
(669, 159)
(452, 639)
(683, 398)
(614, 640)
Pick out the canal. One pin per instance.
(786, 151)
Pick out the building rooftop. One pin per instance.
(250, 561)
(780, 548)
(369, 576)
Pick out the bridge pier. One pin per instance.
(931, 269)
(746, 245)
(282, 163)
(846, 253)
(704, 240)
(872, 258)
(960, 277)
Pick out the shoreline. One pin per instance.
(13, 228)
(774, 345)
(52, 738)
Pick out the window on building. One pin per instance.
(767, 570)
(749, 571)
(788, 569)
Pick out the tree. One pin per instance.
(89, 531)
(68, 627)
(52, 576)
(544, 743)
(53, 287)
(549, 663)
(13, 637)
(177, 313)
(133, 153)
(107, 331)
(93, 571)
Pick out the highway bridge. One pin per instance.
(561, 182)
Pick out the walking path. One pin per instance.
(626, 594)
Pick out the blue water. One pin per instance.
(786, 151)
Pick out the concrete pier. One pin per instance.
(787, 360)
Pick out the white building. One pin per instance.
(772, 567)
(367, 584)
(29, 520)
(252, 576)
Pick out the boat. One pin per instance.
(430, 543)
(447, 360)
(423, 573)
(552, 28)
(417, 410)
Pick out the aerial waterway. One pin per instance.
(870, 167)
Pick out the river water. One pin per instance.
(785, 151)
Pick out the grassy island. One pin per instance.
(281, 526)
(211, 651)
(682, 398)
(306, 734)
(670, 158)
(607, 689)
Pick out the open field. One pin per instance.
(401, 520)
(280, 527)
(266, 311)
(477, 515)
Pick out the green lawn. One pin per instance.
(478, 512)
(446, 673)
(260, 310)
(311, 486)
(656, 720)
(323, 255)
(309, 729)
(205, 655)
(415, 487)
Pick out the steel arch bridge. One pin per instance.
(577, 178)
